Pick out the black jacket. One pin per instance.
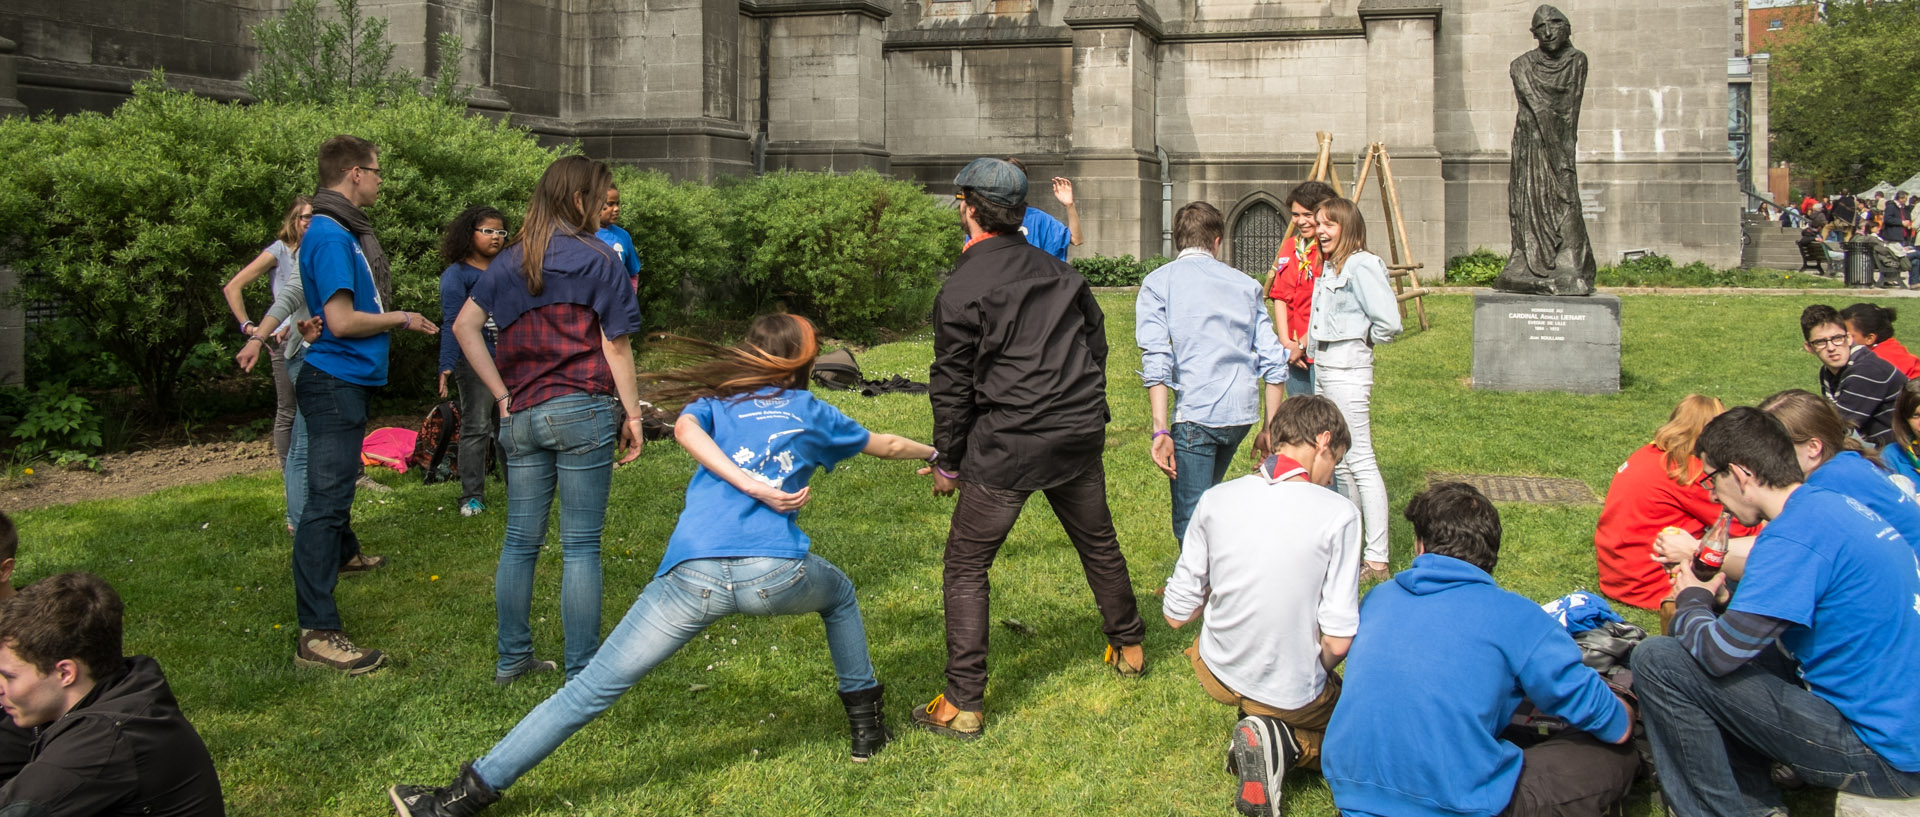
(125, 749)
(1019, 381)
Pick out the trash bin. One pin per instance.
(1859, 263)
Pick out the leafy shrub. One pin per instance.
(1124, 271)
(58, 425)
(842, 250)
(678, 232)
(133, 221)
(1478, 268)
(305, 57)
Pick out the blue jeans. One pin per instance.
(671, 611)
(1201, 455)
(565, 443)
(1299, 380)
(1712, 737)
(335, 413)
(293, 472)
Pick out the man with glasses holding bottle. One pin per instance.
(1861, 384)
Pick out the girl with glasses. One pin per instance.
(471, 241)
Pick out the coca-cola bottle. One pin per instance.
(1712, 554)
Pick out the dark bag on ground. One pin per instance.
(439, 437)
(839, 371)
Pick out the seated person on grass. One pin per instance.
(109, 736)
(1860, 383)
(1872, 326)
(1903, 456)
(1828, 459)
(1839, 589)
(1281, 602)
(1654, 491)
(16, 742)
(1441, 663)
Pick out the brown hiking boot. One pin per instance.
(361, 563)
(1129, 661)
(330, 649)
(942, 718)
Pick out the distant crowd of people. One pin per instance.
(1789, 661)
(1884, 221)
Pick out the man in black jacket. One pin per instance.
(109, 738)
(1019, 394)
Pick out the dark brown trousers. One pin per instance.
(981, 520)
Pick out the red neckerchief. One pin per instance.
(975, 240)
(1279, 468)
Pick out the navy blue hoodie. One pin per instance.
(1441, 660)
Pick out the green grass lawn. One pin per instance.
(204, 571)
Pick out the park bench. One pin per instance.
(1813, 256)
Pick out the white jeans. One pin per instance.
(1343, 373)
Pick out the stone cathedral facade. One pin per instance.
(1145, 104)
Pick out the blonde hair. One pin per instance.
(1353, 229)
(1681, 431)
(290, 225)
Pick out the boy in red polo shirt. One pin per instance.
(1290, 286)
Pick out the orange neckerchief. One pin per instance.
(975, 240)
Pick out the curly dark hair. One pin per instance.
(456, 244)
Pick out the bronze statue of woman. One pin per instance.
(1551, 255)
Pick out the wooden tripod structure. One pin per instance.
(1401, 267)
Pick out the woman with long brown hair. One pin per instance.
(283, 257)
(1657, 488)
(759, 436)
(561, 375)
(1353, 309)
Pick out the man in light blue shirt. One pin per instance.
(1202, 332)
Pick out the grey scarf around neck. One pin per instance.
(335, 206)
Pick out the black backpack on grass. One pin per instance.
(439, 436)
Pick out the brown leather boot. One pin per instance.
(942, 718)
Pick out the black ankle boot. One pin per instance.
(863, 716)
(466, 796)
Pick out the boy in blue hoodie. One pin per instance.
(1835, 585)
(1441, 661)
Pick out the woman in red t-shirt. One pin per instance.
(1654, 490)
(1290, 285)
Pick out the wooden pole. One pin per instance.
(1366, 168)
(1392, 197)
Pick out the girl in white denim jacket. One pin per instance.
(1353, 309)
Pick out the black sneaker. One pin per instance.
(467, 795)
(1263, 751)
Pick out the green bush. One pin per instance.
(57, 425)
(1478, 268)
(842, 250)
(678, 232)
(1124, 271)
(131, 222)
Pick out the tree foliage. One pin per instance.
(306, 56)
(1846, 94)
(131, 222)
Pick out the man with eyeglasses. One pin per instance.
(1861, 384)
(345, 276)
(1831, 583)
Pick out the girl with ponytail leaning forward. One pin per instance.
(758, 435)
(561, 375)
(1353, 309)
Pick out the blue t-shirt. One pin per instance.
(622, 243)
(1852, 475)
(330, 262)
(1046, 232)
(779, 436)
(1849, 586)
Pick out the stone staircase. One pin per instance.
(1769, 245)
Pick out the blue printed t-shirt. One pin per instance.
(1849, 586)
(779, 437)
(621, 242)
(331, 262)
(1850, 474)
(1046, 232)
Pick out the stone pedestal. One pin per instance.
(1546, 343)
